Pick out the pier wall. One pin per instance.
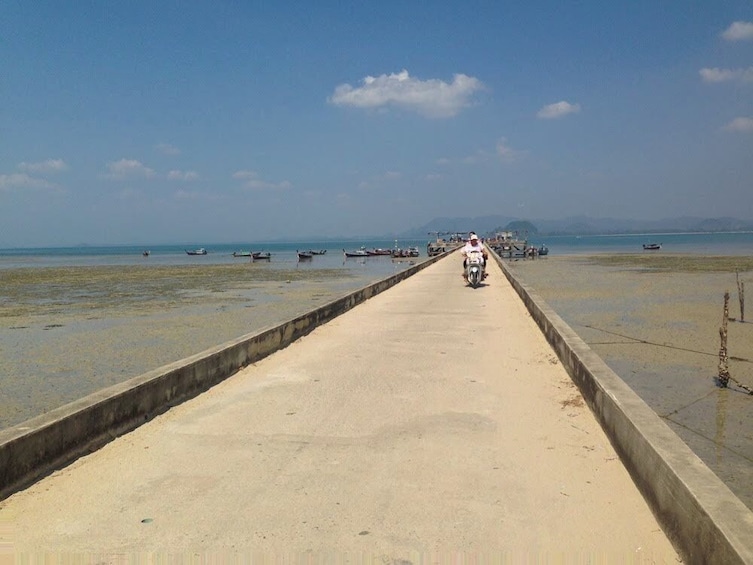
(45, 443)
(697, 511)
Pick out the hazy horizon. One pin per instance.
(366, 238)
(144, 121)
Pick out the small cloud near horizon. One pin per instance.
(557, 110)
(47, 166)
(740, 124)
(128, 168)
(252, 180)
(22, 180)
(726, 75)
(739, 31)
(182, 175)
(167, 149)
(480, 156)
(507, 153)
(432, 98)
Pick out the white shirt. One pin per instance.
(468, 247)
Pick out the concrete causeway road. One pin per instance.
(433, 420)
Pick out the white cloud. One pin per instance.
(182, 175)
(128, 168)
(253, 181)
(186, 195)
(740, 124)
(507, 153)
(432, 98)
(48, 166)
(503, 150)
(558, 110)
(479, 157)
(22, 180)
(167, 149)
(243, 175)
(726, 75)
(739, 31)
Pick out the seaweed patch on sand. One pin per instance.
(36, 291)
(676, 262)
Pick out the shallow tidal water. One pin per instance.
(655, 321)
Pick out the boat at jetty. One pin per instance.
(508, 244)
(445, 241)
(410, 252)
(199, 251)
(651, 246)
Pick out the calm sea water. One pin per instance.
(737, 243)
(284, 253)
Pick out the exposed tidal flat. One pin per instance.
(69, 331)
(655, 319)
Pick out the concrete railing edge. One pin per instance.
(706, 522)
(41, 445)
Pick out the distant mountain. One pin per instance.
(481, 225)
(580, 225)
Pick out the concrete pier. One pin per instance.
(432, 421)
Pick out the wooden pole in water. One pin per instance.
(741, 296)
(723, 358)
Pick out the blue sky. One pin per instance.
(165, 121)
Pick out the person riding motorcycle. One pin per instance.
(473, 244)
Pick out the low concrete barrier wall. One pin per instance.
(38, 446)
(703, 518)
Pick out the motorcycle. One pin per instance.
(474, 268)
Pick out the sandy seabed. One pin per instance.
(68, 332)
(655, 321)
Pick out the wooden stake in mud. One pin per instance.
(741, 296)
(723, 358)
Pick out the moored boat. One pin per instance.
(651, 246)
(378, 251)
(356, 253)
(242, 254)
(261, 256)
(304, 255)
(199, 251)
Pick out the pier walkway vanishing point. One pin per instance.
(432, 420)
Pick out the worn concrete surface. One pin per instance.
(433, 419)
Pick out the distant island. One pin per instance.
(580, 225)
